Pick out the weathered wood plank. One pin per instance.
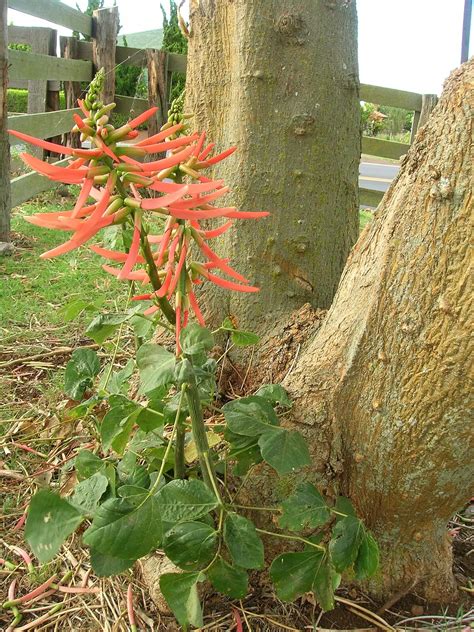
(383, 148)
(27, 186)
(43, 125)
(177, 63)
(33, 66)
(55, 12)
(157, 61)
(72, 88)
(43, 41)
(428, 103)
(129, 56)
(5, 199)
(130, 105)
(106, 23)
(390, 96)
(369, 197)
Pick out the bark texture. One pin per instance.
(4, 144)
(279, 79)
(383, 390)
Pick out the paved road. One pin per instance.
(376, 176)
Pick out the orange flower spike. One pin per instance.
(44, 144)
(196, 310)
(83, 196)
(219, 157)
(141, 118)
(156, 138)
(134, 249)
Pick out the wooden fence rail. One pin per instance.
(79, 60)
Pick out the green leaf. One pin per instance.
(81, 370)
(88, 493)
(134, 494)
(71, 310)
(244, 338)
(156, 367)
(284, 450)
(343, 505)
(367, 561)
(51, 519)
(195, 339)
(87, 464)
(275, 394)
(121, 530)
(106, 565)
(244, 450)
(151, 418)
(294, 574)
(228, 580)
(243, 541)
(104, 325)
(185, 500)
(347, 536)
(131, 473)
(118, 422)
(142, 326)
(181, 594)
(249, 416)
(238, 337)
(304, 509)
(118, 382)
(325, 582)
(190, 545)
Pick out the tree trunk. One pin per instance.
(279, 79)
(5, 199)
(382, 390)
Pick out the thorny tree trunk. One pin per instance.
(4, 145)
(382, 390)
(280, 79)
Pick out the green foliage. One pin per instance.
(17, 100)
(81, 370)
(50, 521)
(157, 477)
(180, 591)
(227, 579)
(174, 42)
(243, 541)
(127, 79)
(305, 509)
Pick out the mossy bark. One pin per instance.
(383, 391)
(279, 79)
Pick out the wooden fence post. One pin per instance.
(5, 198)
(104, 41)
(157, 63)
(72, 88)
(428, 103)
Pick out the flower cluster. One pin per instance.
(115, 174)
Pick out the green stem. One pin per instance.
(200, 439)
(179, 463)
(168, 447)
(272, 509)
(291, 537)
(166, 308)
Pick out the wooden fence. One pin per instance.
(41, 70)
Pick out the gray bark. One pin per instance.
(279, 79)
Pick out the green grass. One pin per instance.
(364, 218)
(35, 288)
(32, 293)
